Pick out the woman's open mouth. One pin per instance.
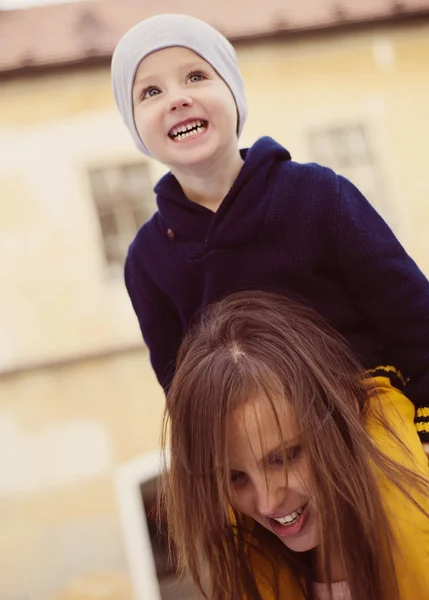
(292, 523)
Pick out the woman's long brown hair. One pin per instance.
(260, 343)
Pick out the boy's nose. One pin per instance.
(179, 103)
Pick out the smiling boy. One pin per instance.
(187, 116)
(230, 220)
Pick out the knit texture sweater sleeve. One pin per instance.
(388, 289)
(158, 319)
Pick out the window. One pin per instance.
(171, 586)
(124, 200)
(346, 150)
(145, 545)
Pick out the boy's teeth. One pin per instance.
(188, 130)
(291, 518)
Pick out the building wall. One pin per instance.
(65, 429)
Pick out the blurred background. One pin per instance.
(341, 82)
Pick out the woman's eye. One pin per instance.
(277, 460)
(288, 456)
(238, 478)
(196, 76)
(293, 453)
(149, 92)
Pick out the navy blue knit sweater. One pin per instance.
(297, 229)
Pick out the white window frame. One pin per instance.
(138, 547)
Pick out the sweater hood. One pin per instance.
(192, 221)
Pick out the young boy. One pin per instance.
(231, 220)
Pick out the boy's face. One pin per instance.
(176, 90)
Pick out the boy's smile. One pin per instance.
(189, 128)
(184, 112)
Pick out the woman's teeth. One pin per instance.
(188, 130)
(292, 518)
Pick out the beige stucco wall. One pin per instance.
(63, 433)
(64, 430)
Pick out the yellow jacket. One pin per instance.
(410, 526)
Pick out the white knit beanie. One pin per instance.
(165, 31)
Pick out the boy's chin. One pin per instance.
(190, 159)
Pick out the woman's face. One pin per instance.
(270, 476)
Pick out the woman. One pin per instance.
(291, 475)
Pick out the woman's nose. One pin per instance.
(270, 496)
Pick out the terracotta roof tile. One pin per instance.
(77, 32)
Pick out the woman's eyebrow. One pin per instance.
(280, 448)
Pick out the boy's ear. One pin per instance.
(426, 449)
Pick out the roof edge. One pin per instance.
(92, 59)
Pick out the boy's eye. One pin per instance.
(149, 92)
(195, 76)
(238, 478)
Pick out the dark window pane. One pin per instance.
(171, 587)
(124, 200)
(108, 225)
